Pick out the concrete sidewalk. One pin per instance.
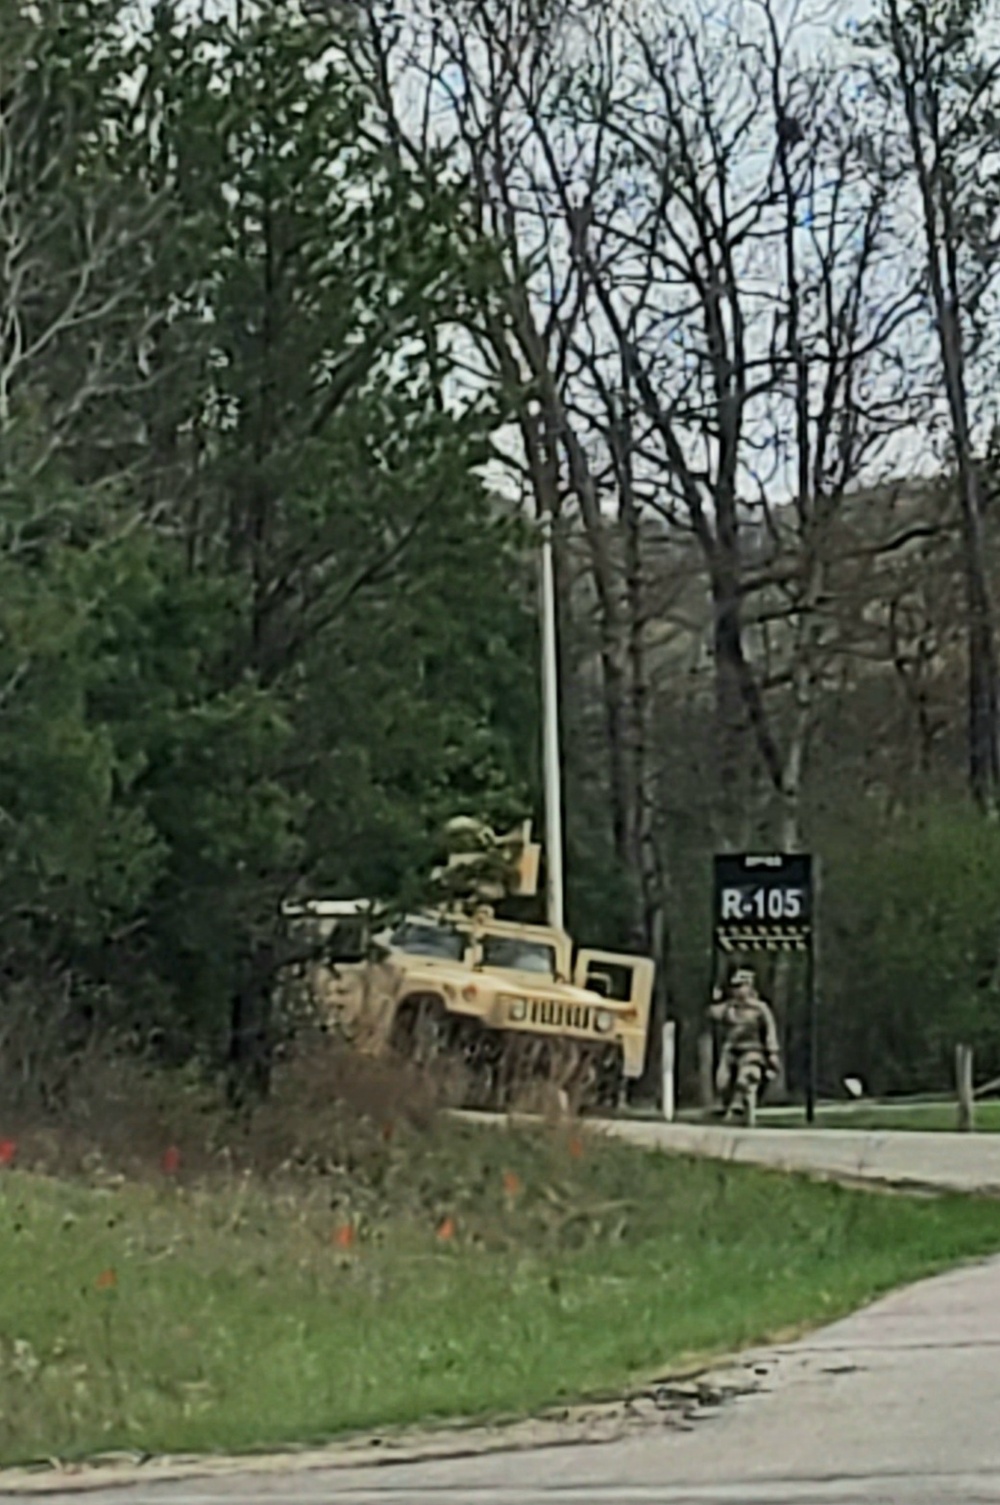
(957, 1162)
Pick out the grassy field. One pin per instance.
(933, 1116)
(424, 1270)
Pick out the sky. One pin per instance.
(817, 30)
(814, 31)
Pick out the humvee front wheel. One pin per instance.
(420, 1030)
(608, 1082)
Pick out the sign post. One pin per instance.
(669, 1095)
(766, 904)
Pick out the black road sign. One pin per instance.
(767, 903)
(763, 903)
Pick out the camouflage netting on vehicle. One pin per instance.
(483, 867)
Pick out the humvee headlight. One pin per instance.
(604, 1020)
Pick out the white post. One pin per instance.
(669, 1069)
(550, 725)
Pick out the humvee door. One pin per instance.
(622, 979)
(615, 975)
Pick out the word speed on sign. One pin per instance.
(763, 903)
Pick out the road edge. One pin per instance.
(674, 1399)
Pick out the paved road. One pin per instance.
(897, 1405)
(964, 1162)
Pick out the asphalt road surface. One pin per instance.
(896, 1405)
(963, 1162)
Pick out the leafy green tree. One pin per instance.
(145, 822)
(278, 630)
(911, 959)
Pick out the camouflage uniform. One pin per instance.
(749, 1029)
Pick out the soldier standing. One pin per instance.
(749, 1030)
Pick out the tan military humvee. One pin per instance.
(510, 1001)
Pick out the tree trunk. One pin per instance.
(250, 1049)
(742, 729)
(983, 711)
(943, 241)
(611, 629)
(984, 741)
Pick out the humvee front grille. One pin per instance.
(555, 1013)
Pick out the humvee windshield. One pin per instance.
(519, 955)
(345, 941)
(424, 938)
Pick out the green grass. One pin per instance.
(867, 1117)
(235, 1322)
(910, 1117)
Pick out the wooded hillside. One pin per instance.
(307, 314)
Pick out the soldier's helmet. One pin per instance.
(743, 977)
